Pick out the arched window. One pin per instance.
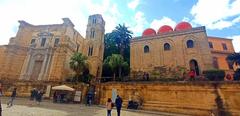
(56, 42)
(190, 44)
(146, 49)
(43, 41)
(167, 47)
(90, 51)
(92, 33)
(94, 20)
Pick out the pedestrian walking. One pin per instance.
(39, 96)
(33, 95)
(109, 106)
(118, 103)
(13, 96)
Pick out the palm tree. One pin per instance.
(78, 63)
(116, 63)
(122, 37)
(234, 58)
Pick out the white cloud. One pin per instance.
(139, 24)
(236, 42)
(48, 12)
(133, 4)
(215, 14)
(156, 24)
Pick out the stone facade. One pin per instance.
(178, 48)
(43, 52)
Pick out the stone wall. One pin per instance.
(180, 97)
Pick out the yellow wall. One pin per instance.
(18, 57)
(218, 51)
(179, 55)
(187, 98)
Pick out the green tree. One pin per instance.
(116, 63)
(117, 42)
(234, 58)
(78, 63)
(122, 37)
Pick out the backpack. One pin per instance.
(112, 104)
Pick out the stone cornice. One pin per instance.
(170, 34)
(222, 52)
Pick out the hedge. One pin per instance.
(214, 75)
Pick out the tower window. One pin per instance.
(90, 51)
(43, 42)
(224, 46)
(146, 49)
(78, 47)
(167, 47)
(94, 20)
(56, 42)
(215, 62)
(92, 33)
(33, 41)
(210, 44)
(190, 44)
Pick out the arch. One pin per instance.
(193, 64)
(167, 47)
(146, 49)
(190, 44)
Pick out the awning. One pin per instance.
(63, 87)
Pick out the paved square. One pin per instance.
(23, 107)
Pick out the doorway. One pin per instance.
(194, 66)
(36, 70)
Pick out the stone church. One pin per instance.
(183, 46)
(43, 52)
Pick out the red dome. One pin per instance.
(149, 32)
(183, 26)
(165, 29)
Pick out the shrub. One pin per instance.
(214, 75)
(237, 74)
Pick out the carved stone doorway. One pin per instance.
(36, 70)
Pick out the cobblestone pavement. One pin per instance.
(23, 107)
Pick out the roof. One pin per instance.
(212, 37)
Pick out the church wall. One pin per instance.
(19, 57)
(12, 61)
(178, 55)
(57, 65)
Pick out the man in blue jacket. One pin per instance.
(118, 103)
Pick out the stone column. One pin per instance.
(48, 65)
(25, 68)
(41, 74)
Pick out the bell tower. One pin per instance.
(95, 43)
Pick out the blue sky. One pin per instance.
(221, 17)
